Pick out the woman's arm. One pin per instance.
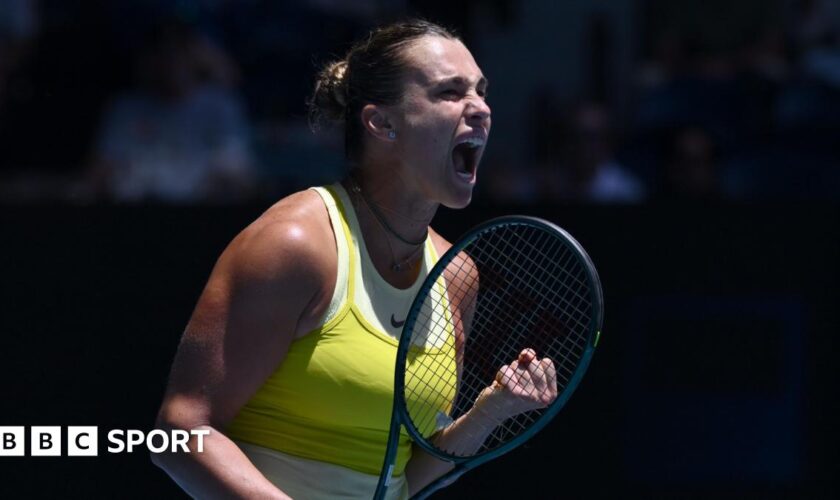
(527, 383)
(222, 471)
(255, 302)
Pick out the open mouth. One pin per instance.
(465, 159)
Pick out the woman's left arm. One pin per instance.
(526, 384)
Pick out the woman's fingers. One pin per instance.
(527, 355)
(507, 375)
(524, 376)
(535, 370)
(529, 379)
(550, 393)
(542, 381)
(525, 384)
(525, 381)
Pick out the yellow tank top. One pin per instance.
(330, 399)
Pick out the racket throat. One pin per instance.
(388, 475)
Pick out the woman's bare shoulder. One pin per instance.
(303, 210)
(294, 231)
(265, 283)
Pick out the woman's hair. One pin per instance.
(370, 73)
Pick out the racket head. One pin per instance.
(523, 271)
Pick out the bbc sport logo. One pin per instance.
(83, 441)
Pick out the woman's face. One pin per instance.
(442, 122)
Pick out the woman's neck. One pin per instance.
(394, 223)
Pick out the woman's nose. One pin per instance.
(478, 110)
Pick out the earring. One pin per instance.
(392, 134)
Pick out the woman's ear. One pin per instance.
(375, 120)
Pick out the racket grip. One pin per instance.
(384, 483)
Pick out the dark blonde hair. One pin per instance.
(370, 73)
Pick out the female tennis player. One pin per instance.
(288, 359)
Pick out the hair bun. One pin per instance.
(338, 74)
(379, 63)
(329, 101)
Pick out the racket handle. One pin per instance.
(384, 482)
(390, 455)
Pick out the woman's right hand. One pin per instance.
(527, 383)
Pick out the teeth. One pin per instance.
(473, 142)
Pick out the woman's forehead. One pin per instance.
(435, 59)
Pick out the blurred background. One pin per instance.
(691, 146)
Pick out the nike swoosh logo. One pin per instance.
(395, 323)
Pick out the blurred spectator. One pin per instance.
(766, 55)
(18, 29)
(18, 19)
(691, 170)
(667, 53)
(752, 89)
(718, 65)
(575, 160)
(587, 169)
(60, 72)
(817, 35)
(181, 135)
(506, 181)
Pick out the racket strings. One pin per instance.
(513, 288)
(529, 283)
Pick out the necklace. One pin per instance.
(379, 217)
(396, 266)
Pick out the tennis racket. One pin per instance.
(501, 332)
